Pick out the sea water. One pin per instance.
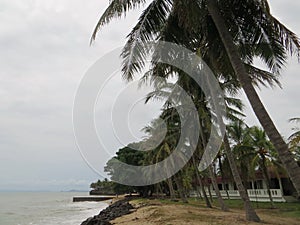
(45, 208)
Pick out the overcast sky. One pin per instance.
(44, 53)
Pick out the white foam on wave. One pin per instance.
(75, 213)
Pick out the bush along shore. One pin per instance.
(115, 210)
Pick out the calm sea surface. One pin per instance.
(43, 208)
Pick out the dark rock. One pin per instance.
(112, 212)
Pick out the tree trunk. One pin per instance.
(244, 174)
(207, 202)
(223, 176)
(180, 189)
(209, 192)
(171, 188)
(197, 178)
(267, 179)
(213, 178)
(199, 193)
(250, 212)
(261, 113)
(158, 190)
(217, 190)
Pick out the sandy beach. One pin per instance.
(153, 212)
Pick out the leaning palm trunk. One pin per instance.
(199, 193)
(213, 178)
(261, 113)
(180, 189)
(267, 179)
(207, 202)
(250, 212)
(171, 188)
(209, 192)
(159, 190)
(217, 190)
(223, 177)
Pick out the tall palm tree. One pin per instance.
(238, 66)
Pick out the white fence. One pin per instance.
(259, 195)
(262, 195)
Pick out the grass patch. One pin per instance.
(291, 210)
(191, 202)
(286, 209)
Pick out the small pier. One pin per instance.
(92, 198)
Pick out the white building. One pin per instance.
(281, 190)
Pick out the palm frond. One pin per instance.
(278, 34)
(236, 102)
(288, 38)
(116, 9)
(150, 23)
(262, 77)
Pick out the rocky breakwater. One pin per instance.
(117, 209)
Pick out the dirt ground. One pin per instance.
(156, 213)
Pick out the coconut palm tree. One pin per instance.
(289, 41)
